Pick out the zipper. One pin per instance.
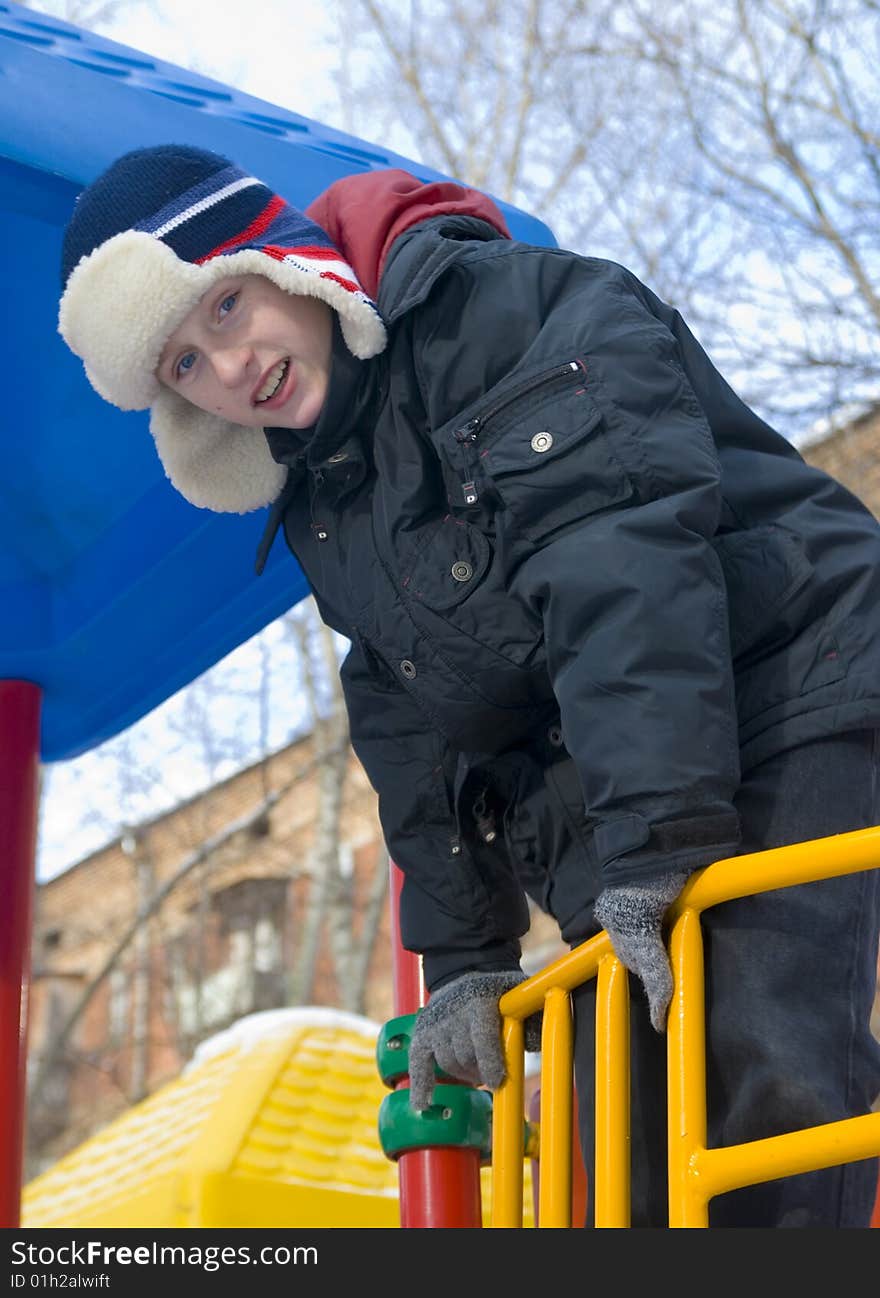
(467, 435)
(320, 531)
(484, 818)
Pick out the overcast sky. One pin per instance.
(280, 50)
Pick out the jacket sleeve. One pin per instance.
(633, 602)
(446, 911)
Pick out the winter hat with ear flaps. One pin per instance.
(145, 242)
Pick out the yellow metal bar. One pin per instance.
(796, 1151)
(611, 1190)
(725, 880)
(696, 1174)
(686, 1074)
(554, 1195)
(508, 1121)
(779, 867)
(568, 972)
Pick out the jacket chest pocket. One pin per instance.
(542, 450)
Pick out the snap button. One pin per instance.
(542, 442)
(408, 668)
(462, 571)
(554, 734)
(338, 457)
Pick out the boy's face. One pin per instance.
(252, 354)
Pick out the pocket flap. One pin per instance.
(552, 469)
(449, 566)
(536, 442)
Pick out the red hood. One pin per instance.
(364, 214)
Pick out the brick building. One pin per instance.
(852, 455)
(226, 885)
(219, 945)
(117, 1006)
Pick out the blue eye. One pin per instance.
(185, 364)
(227, 304)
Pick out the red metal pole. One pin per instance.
(19, 766)
(409, 988)
(439, 1188)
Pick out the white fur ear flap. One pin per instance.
(121, 303)
(212, 463)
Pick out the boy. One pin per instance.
(606, 626)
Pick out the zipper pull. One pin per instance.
(466, 436)
(469, 431)
(485, 820)
(319, 530)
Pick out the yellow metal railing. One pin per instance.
(696, 1174)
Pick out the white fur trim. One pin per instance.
(212, 463)
(122, 302)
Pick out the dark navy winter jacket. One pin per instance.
(586, 586)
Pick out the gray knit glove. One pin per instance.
(632, 914)
(460, 1030)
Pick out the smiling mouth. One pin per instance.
(273, 381)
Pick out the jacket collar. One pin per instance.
(420, 255)
(351, 392)
(340, 433)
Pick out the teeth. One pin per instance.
(273, 381)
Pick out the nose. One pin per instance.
(231, 365)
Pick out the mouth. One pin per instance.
(272, 390)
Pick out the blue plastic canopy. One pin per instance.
(114, 591)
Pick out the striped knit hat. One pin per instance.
(145, 242)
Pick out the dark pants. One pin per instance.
(791, 978)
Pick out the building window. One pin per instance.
(242, 958)
(119, 1005)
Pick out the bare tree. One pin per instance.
(58, 1044)
(330, 903)
(344, 909)
(781, 103)
(727, 153)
